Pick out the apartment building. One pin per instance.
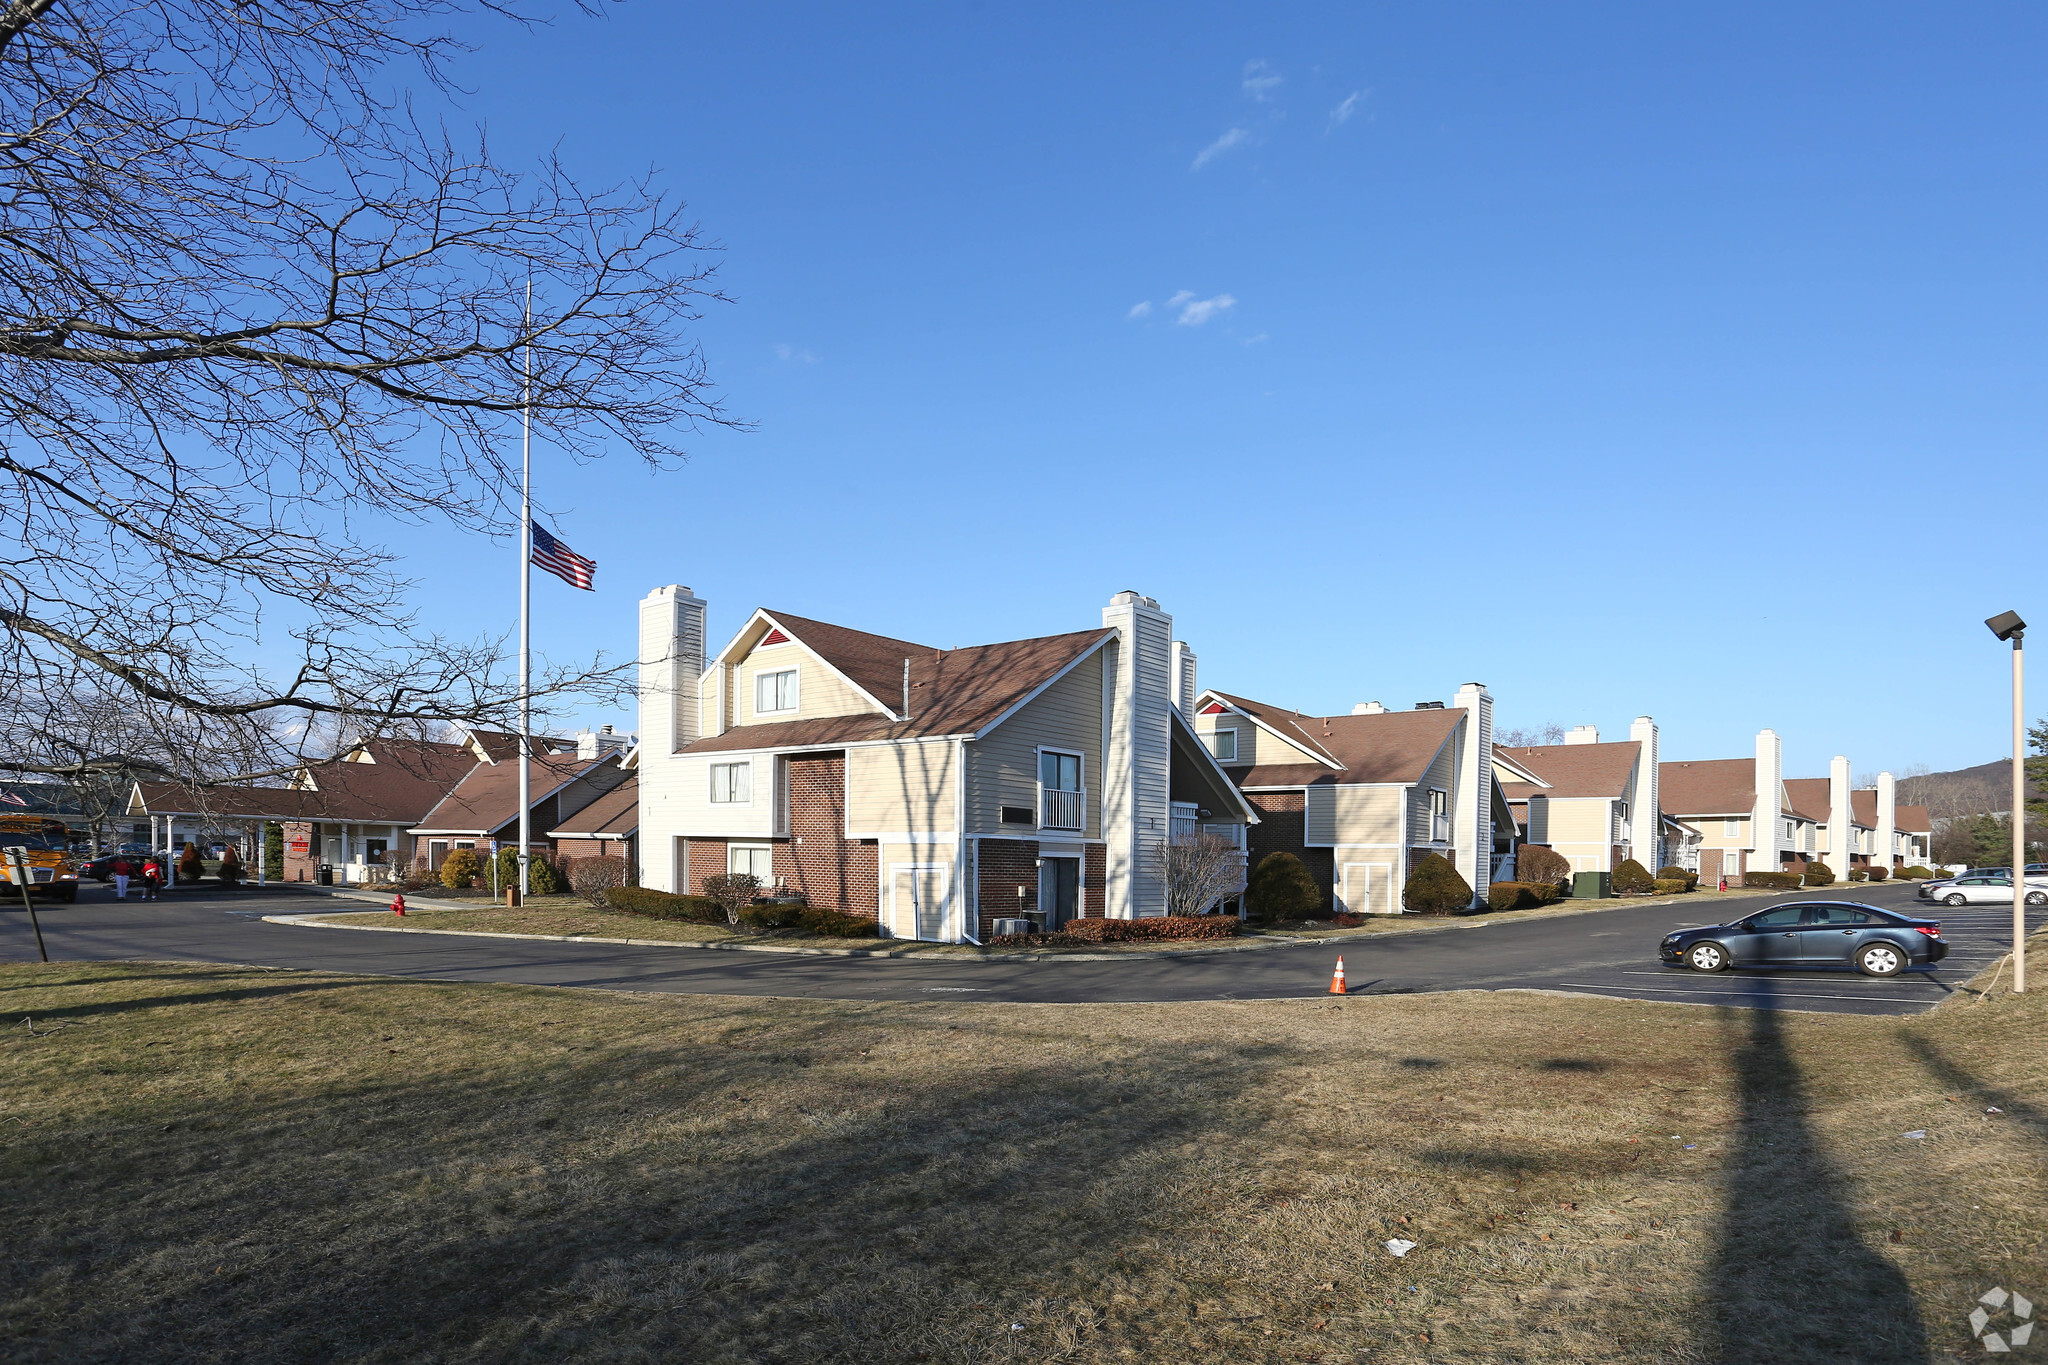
(1594, 803)
(933, 790)
(1360, 797)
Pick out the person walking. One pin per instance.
(152, 877)
(122, 870)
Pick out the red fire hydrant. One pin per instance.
(398, 904)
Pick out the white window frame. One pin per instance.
(745, 765)
(1213, 735)
(1080, 786)
(1731, 829)
(795, 676)
(766, 879)
(1449, 834)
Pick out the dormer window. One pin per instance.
(1223, 745)
(775, 693)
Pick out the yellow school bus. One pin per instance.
(50, 869)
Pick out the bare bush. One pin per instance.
(1198, 870)
(733, 892)
(592, 877)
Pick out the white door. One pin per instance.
(1364, 888)
(918, 900)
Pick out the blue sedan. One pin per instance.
(1811, 934)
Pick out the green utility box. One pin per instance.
(1590, 886)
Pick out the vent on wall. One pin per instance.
(775, 637)
(1018, 815)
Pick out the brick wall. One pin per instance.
(1283, 828)
(1001, 866)
(831, 870)
(300, 866)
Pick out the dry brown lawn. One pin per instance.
(224, 1164)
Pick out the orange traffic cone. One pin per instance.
(398, 904)
(1337, 981)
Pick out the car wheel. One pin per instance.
(1881, 959)
(1706, 957)
(1955, 900)
(2037, 898)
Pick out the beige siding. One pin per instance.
(900, 788)
(1367, 815)
(1442, 775)
(1002, 770)
(897, 860)
(1579, 829)
(1254, 745)
(820, 691)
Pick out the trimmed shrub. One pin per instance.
(1535, 863)
(733, 891)
(230, 870)
(1776, 881)
(1819, 874)
(638, 900)
(1857, 874)
(1281, 889)
(461, 867)
(1671, 886)
(1521, 895)
(1677, 873)
(836, 923)
(592, 877)
(1632, 879)
(1545, 893)
(189, 869)
(1877, 872)
(1435, 888)
(1145, 930)
(1916, 872)
(544, 876)
(771, 914)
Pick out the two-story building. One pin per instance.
(934, 790)
(1359, 798)
(1595, 804)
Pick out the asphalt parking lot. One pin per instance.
(1611, 952)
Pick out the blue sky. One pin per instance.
(1629, 359)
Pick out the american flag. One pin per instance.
(561, 561)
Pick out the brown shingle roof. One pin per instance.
(1863, 808)
(1574, 769)
(400, 785)
(873, 662)
(1914, 820)
(1809, 798)
(1710, 786)
(952, 692)
(1389, 746)
(615, 815)
(489, 796)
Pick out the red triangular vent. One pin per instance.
(1214, 708)
(775, 637)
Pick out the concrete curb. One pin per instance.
(318, 921)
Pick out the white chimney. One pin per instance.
(593, 744)
(1766, 818)
(1646, 811)
(1368, 708)
(1583, 734)
(1136, 756)
(1472, 815)
(1887, 821)
(671, 664)
(1839, 847)
(1184, 690)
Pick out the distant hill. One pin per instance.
(1966, 791)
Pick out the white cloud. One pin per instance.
(1141, 309)
(795, 354)
(1199, 311)
(1257, 339)
(1343, 112)
(1261, 80)
(1236, 137)
(1178, 299)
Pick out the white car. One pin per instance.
(1989, 891)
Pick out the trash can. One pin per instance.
(325, 876)
(1590, 885)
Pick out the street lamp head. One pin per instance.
(2007, 625)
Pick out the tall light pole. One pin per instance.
(2008, 626)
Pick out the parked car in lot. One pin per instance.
(1988, 891)
(1814, 934)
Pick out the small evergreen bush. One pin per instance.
(461, 867)
(1671, 886)
(1282, 889)
(230, 871)
(1776, 881)
(1916, 872)
(189, 869)
(1435, 888)
(1632, 879)
(1665, 874)
(1857, 874)
(1519, 895)
(771, 914)
(640, 900)
(1878, 872)
(1819, 874)
(1535, 863)
(836, 923)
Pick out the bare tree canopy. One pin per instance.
(1198, 870)
(253, 305)
(1530, 737)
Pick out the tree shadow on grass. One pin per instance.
(1792, 1279)
(1955, 1077)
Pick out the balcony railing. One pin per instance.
(1441, 831)
(1062, 810)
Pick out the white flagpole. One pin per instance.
(526, 610)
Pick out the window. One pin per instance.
(1784, 917)
(754, 860)
(775, 692)
(1836, 916)
(732, 783)
(1439, 816)
(1790, 829)
(1223, 745)
(1060, 803)
(1059, 772)
(1731, 829)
